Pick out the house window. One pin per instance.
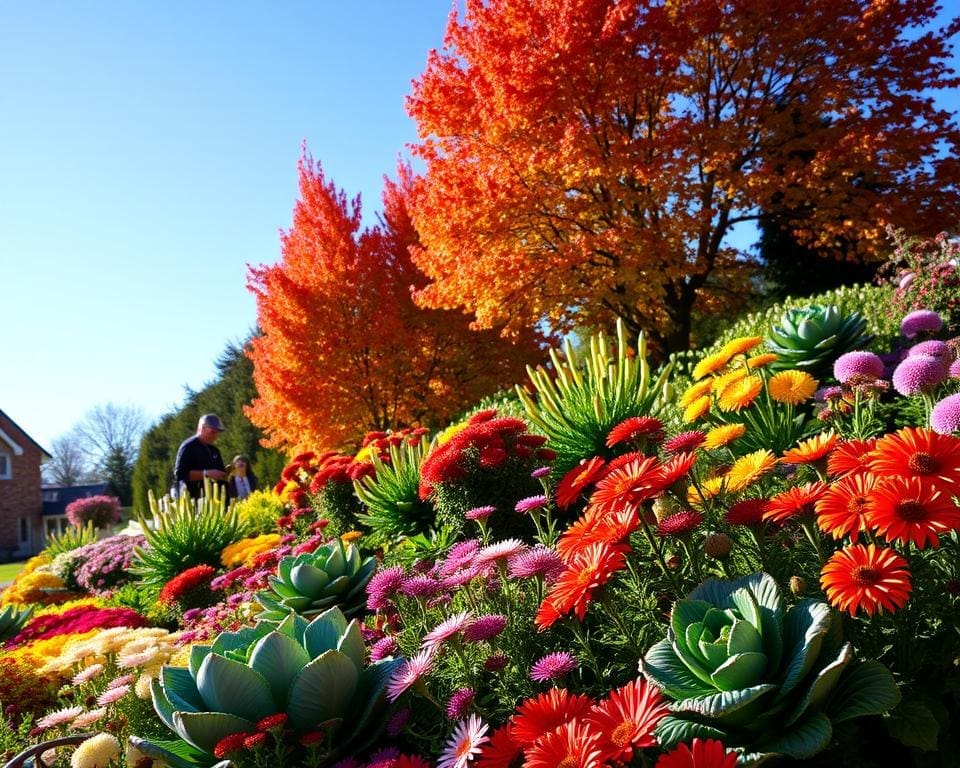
(5, 469)
(24, 530)
(55, 524)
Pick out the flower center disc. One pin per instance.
(865, 575)
(911, 511)
(921, 462)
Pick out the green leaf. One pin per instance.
(239, 640)
(673, 730)
(914, 725)
(293, 626)
(309, 580)
(351, 644)
(741, 671)
(322, 690)
(181, 689)
(337, 561)
(284, 567)
(233, 687)
(731, 707)
(744, 638)
(204, 730)
(867, 688)
(808, 737)
(804, 627)
(161, 704)
(177, 754)
(685, 613)
(823, 685)
(197, 654)
(719, 593)
(323, 633)
(668, 672)
(282, 587)
(278, 658)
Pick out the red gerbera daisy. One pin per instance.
(500, 751)
(684, 441)
(849, 457)
(579, 534)
(675, 468)
(634, 482)
(636, 427)
(592, 567)
(574, 745)
(866, 577)
(702, 753)
(615, 527)
(627, 719)
(841, 511)
(911, 509)
(578, 478)
(546, 713)
(793, 503)
(918, 452)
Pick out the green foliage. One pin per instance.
(742, 668)
(73, 537)
(12, 620)
(391, 495)
(337, 503)
(811, 338)
(314, 672)
(577, 409)
(332, 575)
(180, 536)
(927, 276)
(259, 512)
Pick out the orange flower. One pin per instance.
(812, 449)
(707, 489)
(545, 713)
(791, 387)
(578, 478)
(740, 345)
(794, 503)
(865, 577)
(592, 567)
(725, 433)
(841, 511)
(676, 467)
(740, 394)
(633, 482)
(636, 427)
(748, 469)
(695, 391)
(696, 409)
(719, 383)
(849, 457)
(595, 526)
(912, 509)
(627, 719)
(710, 364)
(761, 361)
(700, 753)
(918, 452)
(572, 745)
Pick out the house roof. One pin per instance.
(56, 497)
(11, 440)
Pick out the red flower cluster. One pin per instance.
(185, 583)
(488, 440)
(76, 621)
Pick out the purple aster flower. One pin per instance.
(954, 371)
(384, 758)
(479, 513)
(461, 577)
(539, 561)
(409, 673)
(530, 504)
(938, 349)
(460, 554)
(496, 661)
(398, 722)
(920, 321)
(540, 472)
(420, 585)
(861, 364)
(826, 394)
(945, 416)
(499, 551)
(385, 646)
(447, 629)
(485, 627)
(907, 280)
(920, 373)
(459, 703)
(552, 667)
(382, 587)
(192, 615)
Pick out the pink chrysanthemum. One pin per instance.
(87, 674)
(685, 442)
(459, 703)
(539, 561)
(530, 504)
(384, 647)
(934, 348)
(479, 513)
(383, 586)
(464, 743)
(679, 523)
(954, 371)
(461, 554)
(552, 667)
(59, 717)
(857, 364)
(917, 374)
(920, 321)
(420, 585)
(496, 661)
(86, 719)
(398, 721)
(112, 695)
(409, 673)
(540, 472)
(447, 629)
(485, 627)
(499, 551)
(945, 416)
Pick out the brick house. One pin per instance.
(21, 506)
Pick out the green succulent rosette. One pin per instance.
(810, 338)
(767, 680)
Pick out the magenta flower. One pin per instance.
(459, 703)
(460, 554)
(398, 721)
(859, 364)
(385, 646)
(447, 629)
(945, 416)
(954, 371)
(920, 321)
(684, 442)
(464, 743)
(479, 513)
(501, 550)
(420, 585)
(485, 627)
(920, 373)
(531, 503)
(552, 667)
(409, 673)
(540, 472)
(539, 561)
(383, 586)
(679, 523)
(496, 661)
(935, 348)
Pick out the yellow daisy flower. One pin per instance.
(761, 361)
(740, 345)
(695, 391)
(720, 383)
(710, 364)
(748, 469)
(740, 394)
(350, 536)
(812, 449)
(696, 409)
(793, 387)
(712, 486)
(720, 436)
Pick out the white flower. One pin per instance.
(96, 752)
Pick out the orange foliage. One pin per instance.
(587, 159)
(343, 349)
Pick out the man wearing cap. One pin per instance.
(198, 457)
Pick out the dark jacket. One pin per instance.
(232, 485)
(193, 454)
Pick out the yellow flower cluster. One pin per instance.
(96, 752)
(40, 653)
(244, 551)
(31, 584)
(80, 602)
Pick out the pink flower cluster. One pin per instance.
(100, 510)
(76, 621)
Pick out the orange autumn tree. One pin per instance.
(342, 347)
(588, 159)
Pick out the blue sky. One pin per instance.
(148, 153)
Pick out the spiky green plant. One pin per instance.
(587, 398)
(73, 537)
(12, 619)
(183, 533)
(394, 507)
(810, 338)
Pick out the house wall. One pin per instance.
(20, 496)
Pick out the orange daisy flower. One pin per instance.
(849, 457)
(748, 469)
(866, 577)
(676, 467)
(912, 509)
(791, 387)
(740, 345)
(627, 718)
(710, 364)
(695, 392)
(615, 527)
(632, 483)
(635, 427)
(696, 409)
(579, 533)
(573, 745)
(793, 503)
(592, 567)
(740, 394)
(841, 511)
(707, 489)
(547, 712)
(720, 383)
(812, 449)
(761, 361)
(578, 478)
(723, 434)
(918, 452)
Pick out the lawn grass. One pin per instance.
(9, 570)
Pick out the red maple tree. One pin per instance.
(342, 347)
(588, 159)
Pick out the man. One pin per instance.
(198, 457)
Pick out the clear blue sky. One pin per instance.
(148, 153)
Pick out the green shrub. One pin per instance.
(259, 512)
